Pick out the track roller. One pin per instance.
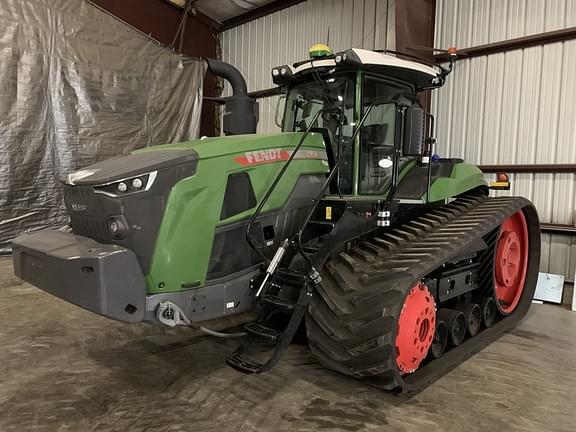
(440, 340)
(488, 312)
(473, 314)
(456, 322)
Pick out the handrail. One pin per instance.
(275, 183)
(329, 180)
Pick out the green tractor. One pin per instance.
(395, 263)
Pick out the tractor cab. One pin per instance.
(370, 90)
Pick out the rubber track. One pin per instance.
(351, 322)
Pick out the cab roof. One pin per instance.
(420, 75)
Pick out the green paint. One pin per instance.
(463, 177)
(193, 209)
(320, 53)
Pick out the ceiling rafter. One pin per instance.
(259, 12)
(201, 16)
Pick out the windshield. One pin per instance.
(304, 100)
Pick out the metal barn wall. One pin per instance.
(514, 107)
(285, 36)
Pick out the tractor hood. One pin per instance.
(124, 200)
(129, 165)
(245, 149)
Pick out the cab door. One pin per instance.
(378, 147)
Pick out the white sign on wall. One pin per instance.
(549, 287)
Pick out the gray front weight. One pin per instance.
(102, 278)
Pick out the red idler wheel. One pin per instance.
(511, 262)
(416, 327)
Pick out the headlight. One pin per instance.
(281, 74)
(137, 183)
(127, 186)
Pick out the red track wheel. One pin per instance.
(416, 327)
(511, 262)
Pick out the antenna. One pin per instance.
(328, 37)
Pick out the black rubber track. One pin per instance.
(351, 322)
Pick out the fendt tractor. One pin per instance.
(345, 229)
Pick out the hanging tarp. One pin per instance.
(76, 87)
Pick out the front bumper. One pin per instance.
(102, 278)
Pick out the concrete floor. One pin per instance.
(63, 369)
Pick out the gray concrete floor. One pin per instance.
(64, 369)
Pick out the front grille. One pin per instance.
(77, 192)
(90, 212)
(98, 230)
(91, 222)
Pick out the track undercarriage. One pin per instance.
(401, 308)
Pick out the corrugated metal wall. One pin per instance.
(285, 36)
(514, 107)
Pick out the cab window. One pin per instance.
(378, 134)
(304, 100)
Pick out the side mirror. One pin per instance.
(414, 124)
(280, 108)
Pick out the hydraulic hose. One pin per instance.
(222, 335)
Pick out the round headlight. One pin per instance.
(137, 183)
(338, 58)
(275, 72)
(283, 71)
(122, 187)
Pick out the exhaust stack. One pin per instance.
(240, 110)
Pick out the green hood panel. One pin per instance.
(184, 243)
(230, 145)
(464, 177)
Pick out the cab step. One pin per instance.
(280, 303)
(244, 364)
(289, 278)
(261, 330)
